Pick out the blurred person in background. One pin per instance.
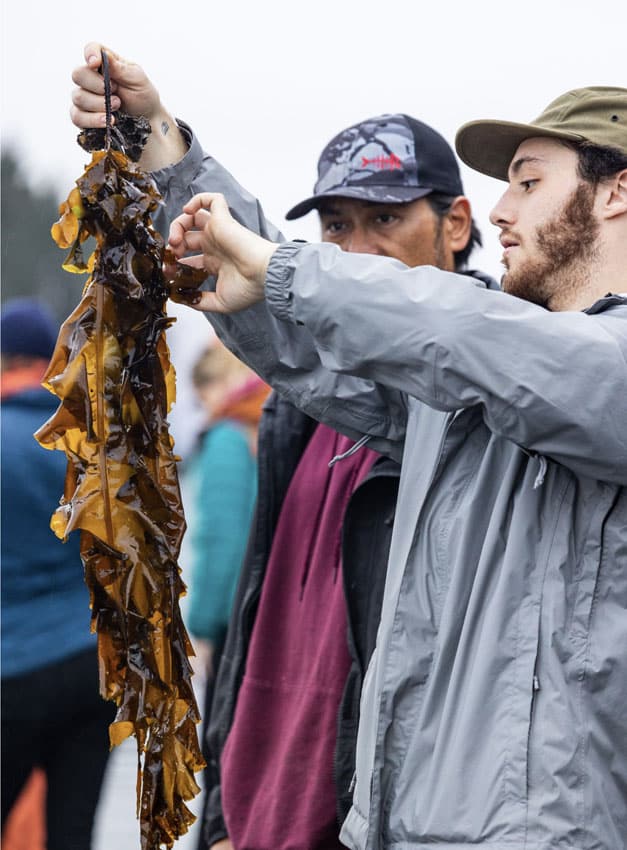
(221, 477)
(222, 473)
(52, 715)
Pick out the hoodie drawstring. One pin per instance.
(355, 448)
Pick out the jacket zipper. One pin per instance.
(535, 687)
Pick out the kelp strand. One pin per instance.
(112, 374)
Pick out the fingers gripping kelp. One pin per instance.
(112, 374)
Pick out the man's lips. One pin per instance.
(509, 242)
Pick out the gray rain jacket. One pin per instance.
(494, 710)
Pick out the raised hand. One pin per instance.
(133, 93)
(222, 247)
(131, 89)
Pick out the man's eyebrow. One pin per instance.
(523, 160)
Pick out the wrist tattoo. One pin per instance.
(165, 127)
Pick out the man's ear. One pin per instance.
(615, 201)
(458, 223)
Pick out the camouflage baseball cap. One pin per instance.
(389, 159)
(596, 114)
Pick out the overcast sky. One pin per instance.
(266, 84)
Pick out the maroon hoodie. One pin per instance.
(277, 766)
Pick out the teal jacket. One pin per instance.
(223, 477)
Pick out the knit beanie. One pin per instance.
(27, 327)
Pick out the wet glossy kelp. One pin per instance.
(112, 373)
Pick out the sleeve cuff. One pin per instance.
(180, 175)
(278, 281)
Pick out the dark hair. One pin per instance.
(441, 205)
(598, 162)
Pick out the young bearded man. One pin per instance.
(493, 709)
(286, 703)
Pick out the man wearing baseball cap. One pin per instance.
(369, 178)
(286, 705)
(389, 185)
(493, 709)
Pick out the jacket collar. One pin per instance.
(482, 278)
(609, 300)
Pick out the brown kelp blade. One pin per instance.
(112, 374)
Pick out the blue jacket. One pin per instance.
(45, 603)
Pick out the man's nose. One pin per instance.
(360, 241)
(502, 214)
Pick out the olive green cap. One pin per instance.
(596, 114)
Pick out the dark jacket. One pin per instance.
(283, 435)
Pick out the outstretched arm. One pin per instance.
(552, 382)
(181, 169)
(178, 164)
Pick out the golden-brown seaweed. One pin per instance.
(112, 373)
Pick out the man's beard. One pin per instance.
(568, 245)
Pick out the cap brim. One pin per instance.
(376, 194)
(489, 146)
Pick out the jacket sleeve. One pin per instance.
(555, 383)
(282, 353)
(199, 172)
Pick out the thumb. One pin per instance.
(210, 302)
(93, 54)
(120, 70)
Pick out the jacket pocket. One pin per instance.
(562, 725)
(588, 569)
